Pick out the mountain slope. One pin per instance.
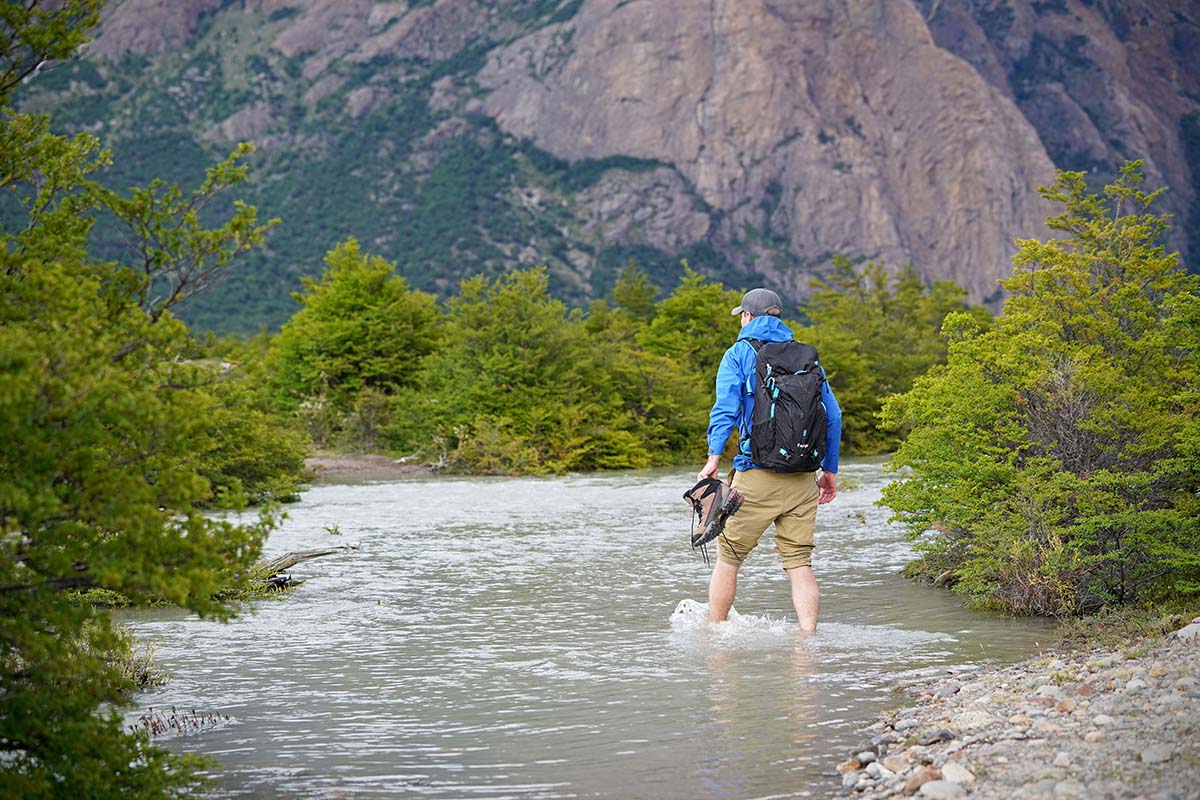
(751, 137)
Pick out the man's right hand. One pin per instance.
(827, 487)
(710, 468)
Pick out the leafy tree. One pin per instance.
(1054, 457)
(666, 405)
(507, 391)
(109, 434)
(360, 327)
(249, 450)
(876, 333)
(522, 385)
(36, 34)
(634, 292)
(693, 326)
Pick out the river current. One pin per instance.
(515, 638)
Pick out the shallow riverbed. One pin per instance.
(514, 638)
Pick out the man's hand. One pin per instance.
(827, 487)
(710, 468)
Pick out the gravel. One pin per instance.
(1100, 724)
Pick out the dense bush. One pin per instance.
(119, 430)
(876, 333)
(509, 380)
(1055, 459)
(359, 327)
(522, 385)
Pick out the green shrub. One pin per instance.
(360, 328)
(1055, 459)
(876, 333)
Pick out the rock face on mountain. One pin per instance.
(863, 135)
(756, 138)
(1101, 82)
(147, 26)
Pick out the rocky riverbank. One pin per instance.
(1095, 725)
(363, 466)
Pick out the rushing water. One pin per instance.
(514, 638)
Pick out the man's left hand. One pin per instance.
(826, 487)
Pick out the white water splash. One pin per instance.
(690, 619)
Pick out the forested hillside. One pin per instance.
(458, 137)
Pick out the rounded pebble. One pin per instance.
(942, 790)
(1156, 754)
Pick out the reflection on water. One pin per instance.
(515, 638)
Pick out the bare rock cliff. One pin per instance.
(840, 127)
(147, 26)
(1101, 82)
(755, 137)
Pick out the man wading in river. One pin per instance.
(777, 476)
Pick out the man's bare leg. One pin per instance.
(722, 586)
(805, 597)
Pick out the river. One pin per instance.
(513, 638)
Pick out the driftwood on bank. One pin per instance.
(269, 567)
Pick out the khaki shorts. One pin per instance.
(788, 499)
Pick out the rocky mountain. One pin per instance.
(755, 138)
(1102, 82)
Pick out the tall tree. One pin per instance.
(508, 386)
(108, 436)
(360, 327)
(1055, 455)
(692, 325)
(876, 333)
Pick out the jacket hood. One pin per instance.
(767, 329)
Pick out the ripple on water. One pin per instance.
(536, 647)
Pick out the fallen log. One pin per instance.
(268, 567)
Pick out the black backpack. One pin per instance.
(788, 426)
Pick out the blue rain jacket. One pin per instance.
(735, 395)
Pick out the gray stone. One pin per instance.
(957, 773)
(885, 738)
(1062, 759)
(972, 720)
(1108, 788)
(1045, 786)
(933, 737)
(1135, 686)
(1188, 633)
(849, 779)
(866, 757)
(1165, 794)
(907, 725)
(1102, 720)
(942, 790)
(947, 690)
(1157, 754)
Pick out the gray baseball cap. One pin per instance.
(759, 302)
